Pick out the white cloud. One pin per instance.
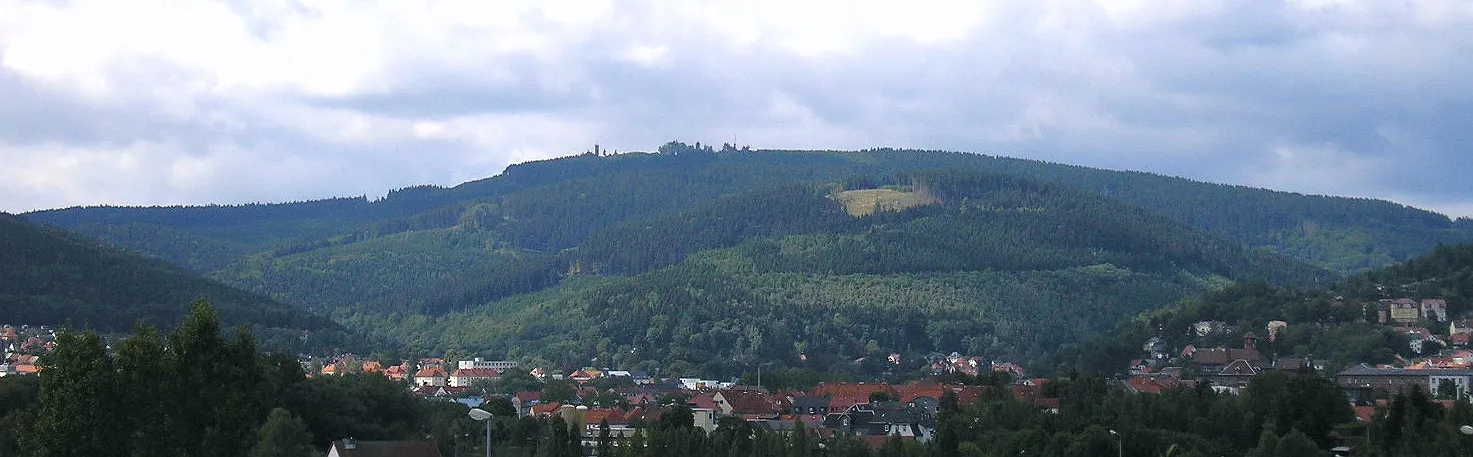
(155, 101)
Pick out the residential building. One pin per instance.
(479, 363)
(430, 376)
(464, 377)
(1367, 382)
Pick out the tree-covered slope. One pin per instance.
(996, 265)
(1336, 322)
(49, 276)
(556, 204)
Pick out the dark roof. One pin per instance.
(811, 401)
(748, 402)
(1224, 356)
(1366, 370)
(386, 449)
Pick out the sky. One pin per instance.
(154, 102)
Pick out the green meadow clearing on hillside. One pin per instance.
(864, 202)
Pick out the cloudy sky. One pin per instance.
(145, 102)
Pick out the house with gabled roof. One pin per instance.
(1236, 374)
(583, 375)
(811, 404)
(1418, 337)
(398, 372)
(1150, 384)
(846, 394)
(441, 392)
(748, 404)
(909, 393)
(1213, 360)
(546, 409)
(465, 377)
(431, 375)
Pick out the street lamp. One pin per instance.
(1119, 444)
(484, 416)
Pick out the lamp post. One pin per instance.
(484, 416)
(1119, 444)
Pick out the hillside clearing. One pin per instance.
(864, 202)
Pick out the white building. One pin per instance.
(482, 364)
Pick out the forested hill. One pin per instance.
(976, 262)
(48, 276)
(939, 251)
(1336, 322)
(554, 204)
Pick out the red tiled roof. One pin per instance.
(1023, 392)
(477, 373)
(430, 372)
(545, 409)
(1364, 413)
(1146, 385)
(849, 389)
(909, 392)
(748, 402)
(595, 416)
(704, 400)
(648, 415)
(967, 395)
(1052, 403)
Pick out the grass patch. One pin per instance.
(864, 202)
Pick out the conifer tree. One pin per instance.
(283, 435)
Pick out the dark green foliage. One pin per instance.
(18, 395)
(737, 256)
(78, 411)
(1309, 404)
(196, 392)
(562, 391)
(48, 276)
(1333, 321)
(283, 435)
(646, 244)
(558, 204)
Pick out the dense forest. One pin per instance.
(1335, 322)
(555, 204)
(998, 265)
(49, 276)
(1003, 257)
(202, 390)
(197, 391)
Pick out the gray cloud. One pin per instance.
(1347, 100)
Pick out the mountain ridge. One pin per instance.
(584, 232)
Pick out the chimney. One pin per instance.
(350, 444)
(1250, 341)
